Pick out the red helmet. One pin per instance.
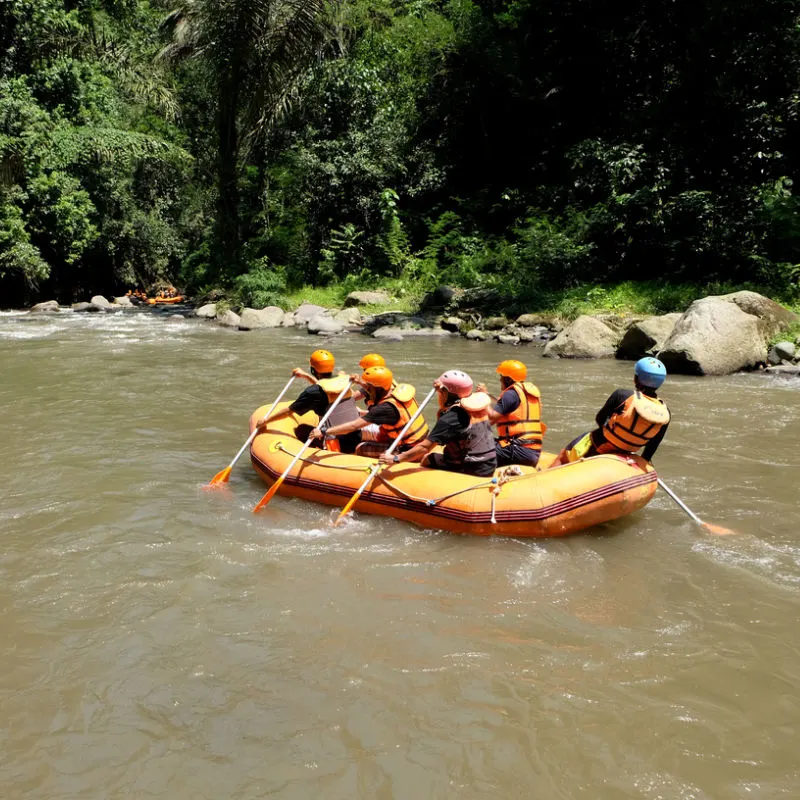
(456, 382)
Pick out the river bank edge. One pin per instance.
(714, 335)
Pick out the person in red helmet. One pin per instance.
(391, 406)
(318, 398)
(517, 415)
(462, 428)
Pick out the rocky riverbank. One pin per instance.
(716, 335)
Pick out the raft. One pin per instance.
(532, 504)
(165, 300)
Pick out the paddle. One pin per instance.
(354, 499)
(225, 474)
(717, 530)
(274, 488)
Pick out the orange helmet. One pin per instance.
(378, 376)
(372, 360)
(322, 361)
(513, 369)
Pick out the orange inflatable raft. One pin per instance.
(164, 300)
(550, 502)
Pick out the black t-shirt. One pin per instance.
(450, 427)
(382, 414)
(311, 399)
(508, 402)
(616, 401)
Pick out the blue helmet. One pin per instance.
(650, 372)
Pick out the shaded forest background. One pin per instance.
(263, 145)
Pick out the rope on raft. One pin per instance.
(508, 475)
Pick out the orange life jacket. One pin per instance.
(640, 420)
(524, 423)
(402, 398)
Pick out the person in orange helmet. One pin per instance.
(517, 415)
(318, 397)
(391, 406)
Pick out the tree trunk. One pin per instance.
(228, 209)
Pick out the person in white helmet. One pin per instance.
(462, 428)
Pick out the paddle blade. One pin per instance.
(718, 530)
(268, 496)
(344, 512)
(221, 477)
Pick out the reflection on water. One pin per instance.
(161, 641)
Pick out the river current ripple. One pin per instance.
(159, 641)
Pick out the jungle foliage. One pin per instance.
(264, 145)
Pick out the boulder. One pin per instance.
(535, 320)
(255, 319)
(47, 307)
(208, 311)
(618, 322)
(477, 335)
(123, 301)
(507, 338)
(306, 312)
(494, 323)
(789, 371)
(774, 317)
(324, 325)
(367, 299)
(288, 320)
(714, 337)
(229, 319)
(782, 351)
(586, 337)
(79, 307)
(394, 318)
(400, 331)
(348, 316)
(646, 337)
(452, 324)
(441, 297)
(100, 301)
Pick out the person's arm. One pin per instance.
(341, 430)
(508, 402)
(651, 447)
(301, 373)
(615, 401)
(416, 453)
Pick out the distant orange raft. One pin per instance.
(165, 300)
(534, 504)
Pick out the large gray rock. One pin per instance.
(397, 319)
(229, 319)
(348, 316)
(288, 320)
(773, 316)
(452, 324)
(646, 337)
(398, 332)
(255, 319)
(494, 323)
(367, 299)
(81, 307)
(441, 297)
(586, 337)
(324, 325)
(535, 320)
(477, 335)
(208, 311)
(508, 338)
(782, 351)
(307, 312)
(101, 301)
(714, 337)
(123, 301)
(47, 307)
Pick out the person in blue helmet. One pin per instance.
(631, 419)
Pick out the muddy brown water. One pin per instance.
(161, 642)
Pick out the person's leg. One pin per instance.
(579, 447)
(371, 449)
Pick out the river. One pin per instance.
(159, 641)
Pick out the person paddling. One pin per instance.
(462, 428)
(630, 419)
(318, 397)
(390, 407)
(517, 415)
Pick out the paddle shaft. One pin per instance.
(274, 488)
(265, 417)
(389, 451)
(680, 502)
